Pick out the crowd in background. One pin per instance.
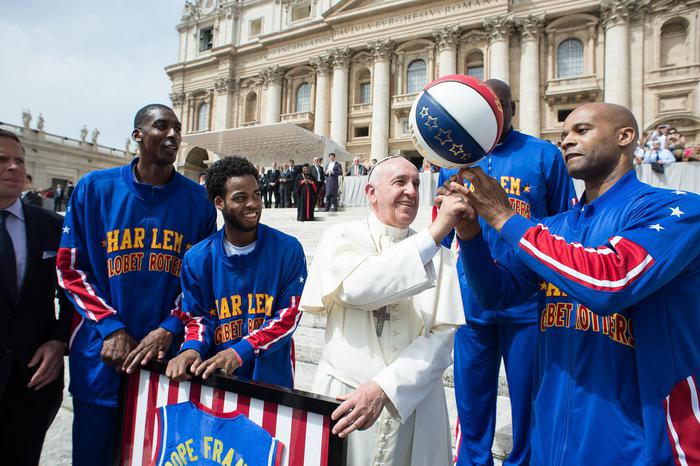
(664, 146)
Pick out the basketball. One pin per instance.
(455, 121)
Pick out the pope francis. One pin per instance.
(392, 300)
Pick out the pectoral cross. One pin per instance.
(382, 316)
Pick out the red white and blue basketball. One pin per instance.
(455, 121)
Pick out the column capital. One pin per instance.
(272, 75)
(227, 85)
(617, 12)
(530, 27)
(446, 37)
(321, 64)
(381, 49)
(340, 57)
(498, 27)
(178, 98)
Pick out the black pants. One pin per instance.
(25, 416)
(286, 194)
(267, 198)
(275, 191)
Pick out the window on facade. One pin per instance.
(673, 43)
(203, 117)
(475, 65)
(251, 107)
(570, 59)
(303, 100)
(415, 76)
(563, 114)
(300, 12)
(365, 93)
(255, 27)
(206, 39)
(404, 126)
(361, 131)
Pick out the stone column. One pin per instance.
(339, 100)
(178, 99)
(381, 98)
(272, 83)
(530, 28)
(322, 109)
(223, 100)
(446, 39)
(615, 14)
(498, 29)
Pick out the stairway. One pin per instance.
(264, 144)
(308, 338)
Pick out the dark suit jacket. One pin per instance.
(273, 176)
(31, 320)
(317, 170)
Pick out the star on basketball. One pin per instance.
(431, 122)
(676, 212)
(424, 112)
(457, 149)
(444, 136)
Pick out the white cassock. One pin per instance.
(358, 268)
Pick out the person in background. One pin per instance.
(33, 338)
(333, 173)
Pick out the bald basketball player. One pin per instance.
(618, 353)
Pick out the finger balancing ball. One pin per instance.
(455, 121)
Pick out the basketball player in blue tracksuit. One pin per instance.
(618, 354)
(533, 174)
(192, 433)
(124, 235)
(240, 287)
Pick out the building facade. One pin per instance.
(350, 70)
(54, 160)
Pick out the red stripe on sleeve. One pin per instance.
(74, 281)
(276, 329)
(602, 268)
(683, 422)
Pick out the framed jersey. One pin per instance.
(222, 421)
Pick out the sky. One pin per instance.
(85, 62)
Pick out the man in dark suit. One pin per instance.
(32, 340)
(296, 171)
(58, 196)
(319, 176)
(333, 172)
(273, 183)
(286, 185)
